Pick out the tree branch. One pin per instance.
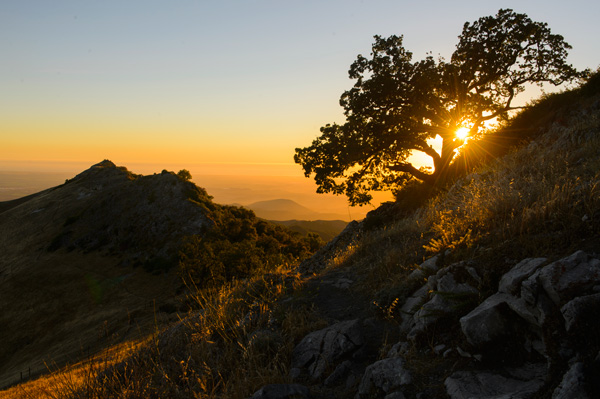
(408, 168)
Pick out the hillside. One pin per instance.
(486, 288)
(97, 261)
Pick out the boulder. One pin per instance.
(324, 348)
(582, 312)
(425, 269)
(449, 298)
(492, 385)
(510, 283)
(488, 321)
(384, 376)
(572, 385)
(569, 277)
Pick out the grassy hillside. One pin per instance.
(540, 198)
(105, 258)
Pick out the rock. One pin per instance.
(449, 298)
(399, 349)
(499, 333)
(425, 269)
(439, 349)
(488, 385)
(339, 375)
(282, 391)
(323, 348)
(487, 322)
(569, 277)
(412, 305)
(385, 376)
(510, 283)
(582, 312)
(572, 385)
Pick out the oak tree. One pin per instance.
(397, 105)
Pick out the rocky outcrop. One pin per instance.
(384, 377)
(536, 335)
(321, 349)
(523, 382)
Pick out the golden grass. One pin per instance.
(239, 338)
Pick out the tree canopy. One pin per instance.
(396, 104)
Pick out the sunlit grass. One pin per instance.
(238, 338)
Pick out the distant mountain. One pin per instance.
(285, 209)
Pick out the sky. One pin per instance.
(210, 84)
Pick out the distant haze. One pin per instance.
(242, 184)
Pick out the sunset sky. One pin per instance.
(212, 82)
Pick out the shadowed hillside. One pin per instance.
(97, 261)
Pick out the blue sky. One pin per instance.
(212, 81)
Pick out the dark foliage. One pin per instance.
(239, 245)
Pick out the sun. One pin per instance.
(462, 133)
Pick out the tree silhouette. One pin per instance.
(397, 105)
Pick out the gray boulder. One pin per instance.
(384, 376)
(582, 313)
(570, 277)
(510, 283)
(449, 298)
(519, 383)
(487, 322)
(321, 349)
(572, 384)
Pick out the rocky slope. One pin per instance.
(505, 300)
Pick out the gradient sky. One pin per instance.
(188, 82)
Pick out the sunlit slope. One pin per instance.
(69, 276)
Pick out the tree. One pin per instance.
(397, 105)
(184, 174)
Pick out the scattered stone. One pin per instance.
(383, 376)
(438, 349)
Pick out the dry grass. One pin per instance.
(541, 199)
(239, 339)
